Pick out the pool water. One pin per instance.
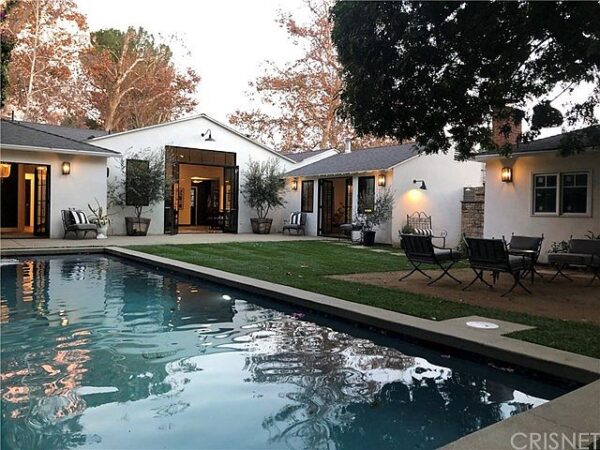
(98, 352)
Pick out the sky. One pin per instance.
(226, 41)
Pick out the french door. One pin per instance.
(171, 195)
(42, 201)
(325, 207)
(230, 210)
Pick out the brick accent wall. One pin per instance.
(472, 211)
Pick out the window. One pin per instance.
(564, 193)
(308, 189)
(366, 194)
(574, 195)
(545, 190)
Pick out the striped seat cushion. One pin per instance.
(78, 217)
(424, 231)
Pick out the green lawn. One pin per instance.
(305, 264)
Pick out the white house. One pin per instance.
(328, 190)
(537, 191)
(46, 169)
(205, 160)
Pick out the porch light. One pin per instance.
(66, 168)
(295, 184)
(5, 170)
(423, 186)
(381, 180)
(507, 174)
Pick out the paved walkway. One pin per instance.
(159, 239)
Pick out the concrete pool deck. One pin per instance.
(576, 412)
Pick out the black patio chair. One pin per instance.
(421, 224)
(420, 250)
(582, 252)
(491, 255)
(74, 221)
(297, 222)
(529, 247)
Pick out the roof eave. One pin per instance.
(31, 148)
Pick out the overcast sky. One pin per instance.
(227, 40)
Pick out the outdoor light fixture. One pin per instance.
(295, 184)
(207, 135)
(507, 174)
(422, 184)
(5, 173)
(381, 180)
(66, 168)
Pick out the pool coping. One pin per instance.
(570, 413)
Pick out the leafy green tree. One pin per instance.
(263, 186)
(440, 71)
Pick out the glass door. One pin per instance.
(42, 201)
(171, 193)
(325, 206)
(230, 207)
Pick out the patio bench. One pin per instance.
(420, 250)
(582, 252)
(75, 221)
(297, 222)
(491, 255)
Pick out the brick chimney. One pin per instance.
(505, 130)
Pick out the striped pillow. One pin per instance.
(424, 231)
(295, 218)
(78, 217)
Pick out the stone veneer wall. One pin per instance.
(472, 211)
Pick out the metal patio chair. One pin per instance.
(582, 252)
(74, 221)
(421, 224)
(420, 250)
(529, 247)
(491, 255)
(297, 222)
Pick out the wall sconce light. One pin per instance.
(207, 135)
(5, 170)
(66, 168)
(381, 180)
(295, 184)
(423, 186)
(507, 174)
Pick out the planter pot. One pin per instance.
(102, 232)
(355, 236)
(137, 227)
(261, 226)
(368, 238)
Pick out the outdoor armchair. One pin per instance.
(297, 222)
(529, 247)
(74, 221)
(491, 255)
(420, 250)
(582, 252)
(420, 223)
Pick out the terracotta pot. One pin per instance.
(261, 226)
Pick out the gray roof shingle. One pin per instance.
(16, 133)
(301, 156)
(377, 158)
(79, 134)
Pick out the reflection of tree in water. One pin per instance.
(350, 393)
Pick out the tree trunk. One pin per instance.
(28, 99)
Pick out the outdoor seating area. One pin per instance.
(76, 222)
(297, 223)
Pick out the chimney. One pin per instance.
(505, 130)
(348, 145)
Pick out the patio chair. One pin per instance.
(421, 224)
(74, 221)
(297, 222)
(492, 255)
(582, 252)
(420, 250)
(529, 247)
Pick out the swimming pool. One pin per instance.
(99, 352)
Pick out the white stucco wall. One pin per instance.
(86, 182)
(445, 179)
(187, 133)
(508, 206)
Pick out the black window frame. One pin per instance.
(545, 188)
(363, 186)
(307, 199)
(585, 187)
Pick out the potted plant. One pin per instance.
(406, 229)
(100, 218)
(141, 185)
(370, 219)
(263, 189)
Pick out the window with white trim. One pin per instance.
(562, 193)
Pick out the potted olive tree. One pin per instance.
(141, 185)
(370, 219)
(263, 189)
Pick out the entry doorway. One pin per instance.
(202, 191)
(25, 200)
(335, 206)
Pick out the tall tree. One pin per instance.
(48, 36)
(134, 81)
(439, 71)
(298, 103)
(6, 45)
